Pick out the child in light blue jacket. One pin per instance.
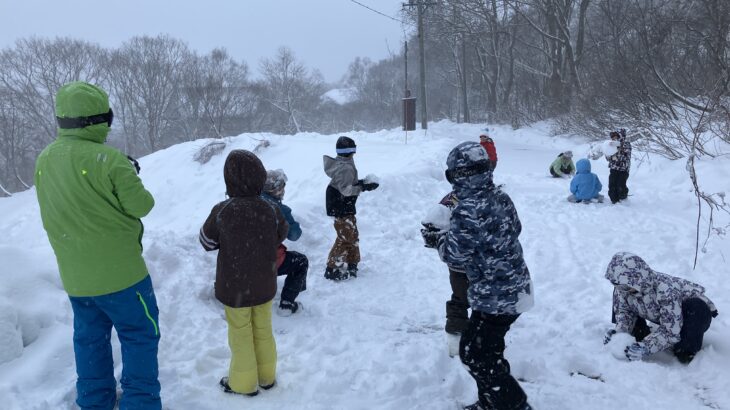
(585, 185)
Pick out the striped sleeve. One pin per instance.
(209, 233)
(208, 243)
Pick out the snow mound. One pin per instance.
(11, 338)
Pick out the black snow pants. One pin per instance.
(457, 309)
(696, 319)
(482, 352)
(294, 267)
(617, 189)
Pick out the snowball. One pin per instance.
(370, 178)
(610, 147)
(11, 339)
(439, 216)
(618, 344)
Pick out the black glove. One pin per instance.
(714, 313)
(431, 235)
(135, 163)
(367, 186)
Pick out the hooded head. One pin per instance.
(583, 166)
(629, 272)
(617, 135)
(82, 110)
(244, 174)
(345, 146)
(275, 183)
(468, 166)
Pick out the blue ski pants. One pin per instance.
(133, 313)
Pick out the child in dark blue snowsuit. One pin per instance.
(483, 237)
(295, 265)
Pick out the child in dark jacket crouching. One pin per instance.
(294, 265)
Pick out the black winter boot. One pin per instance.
(288, 308)
(335, 274)
(352, 270)
(479, 406)
(227, 389)
(684, 357)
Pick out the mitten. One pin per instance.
(135, 163)
(431, 236)
(608, 336)
(636, 351)
(369, 186)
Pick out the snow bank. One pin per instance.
(377, 342)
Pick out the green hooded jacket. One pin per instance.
(91, 200)
(563, 166)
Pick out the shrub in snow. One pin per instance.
(11, 338)
(208, 151)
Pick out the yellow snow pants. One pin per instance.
(253, 348)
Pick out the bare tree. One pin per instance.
(36, 68)
(377, 89)
(30, 75)
(15, 145)
(293, 91)
(145, 74)
(216, 96)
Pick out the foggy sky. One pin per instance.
(324, 34)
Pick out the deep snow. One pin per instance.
(377, 342)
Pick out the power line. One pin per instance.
(376, 11)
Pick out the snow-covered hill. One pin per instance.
(377, 342)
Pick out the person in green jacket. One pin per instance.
(91, 201)
(563, 165)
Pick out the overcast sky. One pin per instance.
(324, 34)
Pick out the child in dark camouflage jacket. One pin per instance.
(619, 165)
(483, 238)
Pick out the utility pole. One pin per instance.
(405, 58)
(421, 6)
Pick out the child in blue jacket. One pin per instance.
(585, 185)
(294, 265)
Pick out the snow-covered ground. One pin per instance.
(377, 342)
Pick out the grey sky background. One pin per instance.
(324, 34)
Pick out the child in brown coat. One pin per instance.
(247, 231)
